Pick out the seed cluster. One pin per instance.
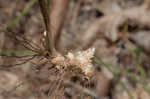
(81, 60)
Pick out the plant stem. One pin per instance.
(49, 36)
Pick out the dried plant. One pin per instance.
(81, 60)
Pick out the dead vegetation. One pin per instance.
(91, 49)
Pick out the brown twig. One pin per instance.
(49, 36)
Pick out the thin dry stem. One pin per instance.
(58, 10)
(49, 36)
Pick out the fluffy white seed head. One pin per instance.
(81, 59)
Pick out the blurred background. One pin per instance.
(119, 30)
